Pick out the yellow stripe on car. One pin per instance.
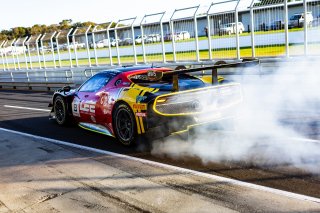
(163, 98)
(139, 110)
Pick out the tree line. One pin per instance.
(66, 24)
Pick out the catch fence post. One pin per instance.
(237, 30)
(196, 33)
(37, 48)
(305, 7)
(253, 50)
(43, 57)
(75, 46)
(117, 45)
(58, 48)
(2, 53)
(15, 50)
(24, 52)
(133, 42)
(110, 46)
(87, 45)
(173, 37)
(29, 54)
(68, 44)
(94, 45)
(209, 32)
(52, 50)
(5, 55)
(162, 40)
(142, 40)
(13, 58)
(286, 30)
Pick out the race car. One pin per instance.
(130, 102)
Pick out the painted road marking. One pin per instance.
(175, 168)
(28, 108)
(306, 140)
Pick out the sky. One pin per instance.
(26, 13)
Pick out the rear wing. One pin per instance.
(214, 70)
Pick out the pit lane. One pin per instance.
(284, 177)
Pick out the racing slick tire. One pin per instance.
(60, 110)
(125, 127)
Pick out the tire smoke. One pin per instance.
(278, 122)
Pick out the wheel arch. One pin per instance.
(117, 103)
(135, 119)
(65, 98)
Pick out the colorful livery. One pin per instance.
(130, 102)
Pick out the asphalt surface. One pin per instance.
(280, 176)
(39, 175)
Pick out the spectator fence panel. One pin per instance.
(184, 35)
(151, 39)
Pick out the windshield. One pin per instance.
(227, 25)
(295, 17)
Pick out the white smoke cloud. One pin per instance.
(273, 125)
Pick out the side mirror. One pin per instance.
(66, 88)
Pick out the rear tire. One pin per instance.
(125, 127)
(60, 110)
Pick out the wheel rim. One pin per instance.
(124, 125)
(59, 111)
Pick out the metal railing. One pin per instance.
(269, 30)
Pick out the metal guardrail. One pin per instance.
(54, 79)
(35, 80)
(49, 86)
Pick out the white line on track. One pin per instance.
(175, 168)
(27, 108)
(306, 140)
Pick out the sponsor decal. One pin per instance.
(75, 107)
(141, 98)
(141, 114)
(140, 106)
(104, 101)
(140, 77)
(93, 119)
(154, 76)
(86, 107)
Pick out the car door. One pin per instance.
(87, 97)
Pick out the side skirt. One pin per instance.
(96, 128)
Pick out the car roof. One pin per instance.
(127, 69)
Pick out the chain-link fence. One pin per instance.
(230, 29)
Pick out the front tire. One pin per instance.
(125, 127)
(60, 110)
